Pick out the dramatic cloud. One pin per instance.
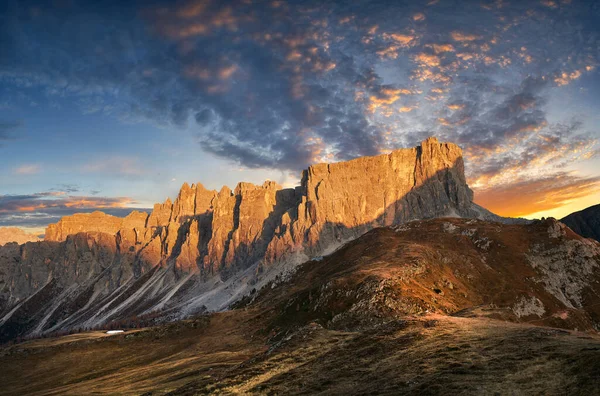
(37, 210)
(284, 84)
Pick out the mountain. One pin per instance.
(585, 222)
(207, 249)
(439, 306)
(14, 234)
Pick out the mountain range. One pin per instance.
(207, 249)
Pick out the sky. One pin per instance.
(113, 105)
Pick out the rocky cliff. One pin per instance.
(223, 231)
(585, 222)
(94, 222)
(207, 248)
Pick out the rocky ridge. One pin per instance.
(207, 249)
(212, 231)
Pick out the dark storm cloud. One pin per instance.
(278, 84)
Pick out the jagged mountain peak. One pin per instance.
(207, 249)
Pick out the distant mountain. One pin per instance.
(14, 234)
(586, 222)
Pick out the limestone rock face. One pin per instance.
(344, 200)
(94, 222)
(231, 230)
(207, 248)
(222, 232)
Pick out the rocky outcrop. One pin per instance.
(14, 234)
(585, 222)
(94, 222)
(340, 201)
(207, 249)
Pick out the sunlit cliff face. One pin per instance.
(109, 105)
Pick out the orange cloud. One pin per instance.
(402, 39)
(390, 52)
(462, 37)
(527, 197)
(294, 55)
(456, 106)
(418, 17)
(195, 19)
(324, 67)
(428, 60)
(192, 9)
(386, 97)
(398, 42)
(406, 109)
(438, 48)
(30, 208)
(549, 3)
(425, 74)
(565, 78)
(227, 72)
(97, 203)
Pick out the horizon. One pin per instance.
(41, 231)
(113, 107)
